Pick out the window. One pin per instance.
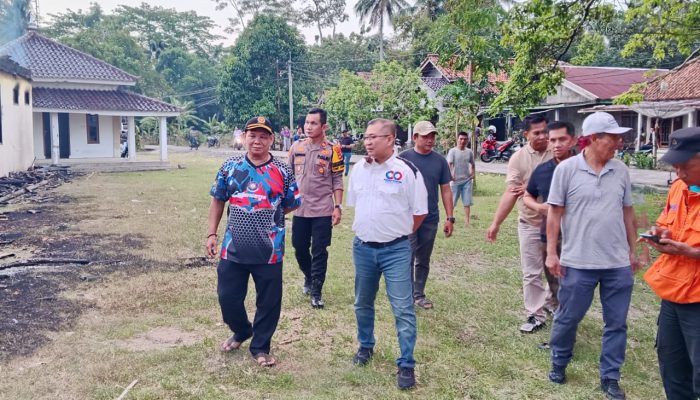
(26, 97)
(15, 94)
(93, 129)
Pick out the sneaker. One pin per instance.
(612, 389)
(406, 378)
(362, 356)
(317, 302)
(557, 375)
(306, 290)
(532, 325)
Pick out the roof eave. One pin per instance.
(110, 112)
(84, 81)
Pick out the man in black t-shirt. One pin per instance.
(562, 139)
(346, 145)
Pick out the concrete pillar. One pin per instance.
(409, 135)
(691, 119)
(639, 132)
(131, 137)
(163, 125)
(556, 114)
(55, 145)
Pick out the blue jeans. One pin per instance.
(395, 263)
(346, 160)
(576, 290)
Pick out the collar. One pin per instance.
(533, 151)
(582, 164)
(369, 162)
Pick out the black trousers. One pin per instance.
(314, 233)
(232, 288)
(422, 242)
(678, 348)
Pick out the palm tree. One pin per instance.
(375, 10)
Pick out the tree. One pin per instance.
(251, 81)
(14, 19)
(391, 91)
(323, 13)
(375, 10)
(247, 9)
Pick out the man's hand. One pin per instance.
(635, 262)
(543, 209)
(335, 218)
(492, 232)
(211, 246)
(552, 263)
(517, 190)
(449, 227)
(673, 247)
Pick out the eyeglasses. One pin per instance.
(374, 137)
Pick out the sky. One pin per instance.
(201, 7)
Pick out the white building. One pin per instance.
(16, 146)
(79, 102)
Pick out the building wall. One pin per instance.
(79, 147)
(566, 95)
(17, 147)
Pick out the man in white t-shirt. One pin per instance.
(390, 202)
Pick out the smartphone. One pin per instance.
(653, 238)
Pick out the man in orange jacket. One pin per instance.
(675, 276)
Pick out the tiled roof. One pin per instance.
(435, 83)
(9, 66)
(48, 59)
(682, 83)
(446, 71)
(98, 100)
(605, 82)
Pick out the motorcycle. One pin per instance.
(492, 150)
(213, 141)
(194, 142)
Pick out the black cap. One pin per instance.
(684, 145)
(259, 122)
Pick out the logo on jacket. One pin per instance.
(252, 186)
(393, 176)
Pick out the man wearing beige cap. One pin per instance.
(590, 202)
(436, 173)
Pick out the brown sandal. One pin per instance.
(265, 360)
(231, 344)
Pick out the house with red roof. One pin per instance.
(81, 104)
(585, 88)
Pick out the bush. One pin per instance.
(644, 160)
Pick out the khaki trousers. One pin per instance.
(535, 294)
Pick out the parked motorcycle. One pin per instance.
(491, 150)
(194, 142)
(213, 141)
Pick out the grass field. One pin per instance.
(160, 323)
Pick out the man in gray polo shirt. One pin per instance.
(591, 200)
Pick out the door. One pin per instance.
(63, 135)
(46, 119)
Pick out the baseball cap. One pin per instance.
(259, 122)
(424, 128)
(602, 122)
(684, 144)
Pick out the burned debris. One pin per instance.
(19, 186)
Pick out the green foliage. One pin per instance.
(244, 10)
(375, 10)
(353, 101)
(324, 14)
(251, 82)
(540, 33)
(669, 27)
(634, 94)
(643, 160)
(590, 47)
(391, 92)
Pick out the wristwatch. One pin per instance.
(338, 206)
(451, 219)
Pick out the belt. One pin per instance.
(379, 245)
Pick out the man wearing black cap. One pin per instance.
(675, 276)
(260, 190)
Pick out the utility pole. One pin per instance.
(277, 84)
(291, 101)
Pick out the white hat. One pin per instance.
(492, 128)
(602, 122)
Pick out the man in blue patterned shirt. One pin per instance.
(260, 190)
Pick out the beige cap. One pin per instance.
(424, 128)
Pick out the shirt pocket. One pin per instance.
(389, 198)
(322, 166)
(299, 165)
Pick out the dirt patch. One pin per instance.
(32, 302)
(161, 338)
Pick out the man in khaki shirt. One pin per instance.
(520, 168)
(318, 168)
